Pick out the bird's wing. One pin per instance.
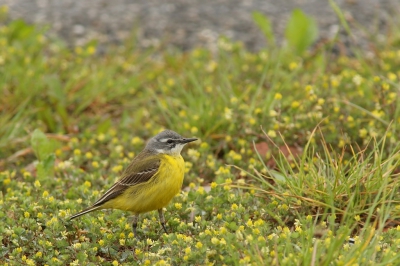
(139, 171)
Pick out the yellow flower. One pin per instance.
(228, 113)
(91, 49)
(30, 262)
(357, 79)
(136, 141)
(119, 148)
(182, 113)
(284, 207)
(62, 213)
(37, 184)
(222, 170)
(392, 76)
(212, 65)
(259, 222)
(6, 181)
(235, 156)
(117, 168)
(188, 250)
(170, 82)
(385, 86)
(249, 223)
(77, 152)
(363, 133)
(101, 137)
(215, 241)
(194, 130)
(278, 96)
(271, 133)
(295, 104)
(272, 113)
(199, 245)
(350, 119)
(341, 143)
(293, 65)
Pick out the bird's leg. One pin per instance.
(134, 223)
(162, 219)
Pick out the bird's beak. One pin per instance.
(184, 141)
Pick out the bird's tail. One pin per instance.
(90, 209)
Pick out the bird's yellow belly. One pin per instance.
(155, 193)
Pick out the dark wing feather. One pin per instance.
(142, 168)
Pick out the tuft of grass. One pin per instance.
(329, 198)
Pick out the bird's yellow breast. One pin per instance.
(155, 193)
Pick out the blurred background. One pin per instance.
(193, 23)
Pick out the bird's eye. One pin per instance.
(169, 141)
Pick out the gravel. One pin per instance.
(193, 23)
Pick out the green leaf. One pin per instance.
(301, 31)
(265, 26)
(277, 176)
(45, 168)
(48, 163)
(41, 145)
(233, 226)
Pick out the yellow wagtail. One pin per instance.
(149, 183)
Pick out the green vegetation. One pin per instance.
(298, 150)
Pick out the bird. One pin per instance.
(150, 181)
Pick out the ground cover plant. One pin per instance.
(298, 150)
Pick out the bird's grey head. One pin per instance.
(168, 142)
